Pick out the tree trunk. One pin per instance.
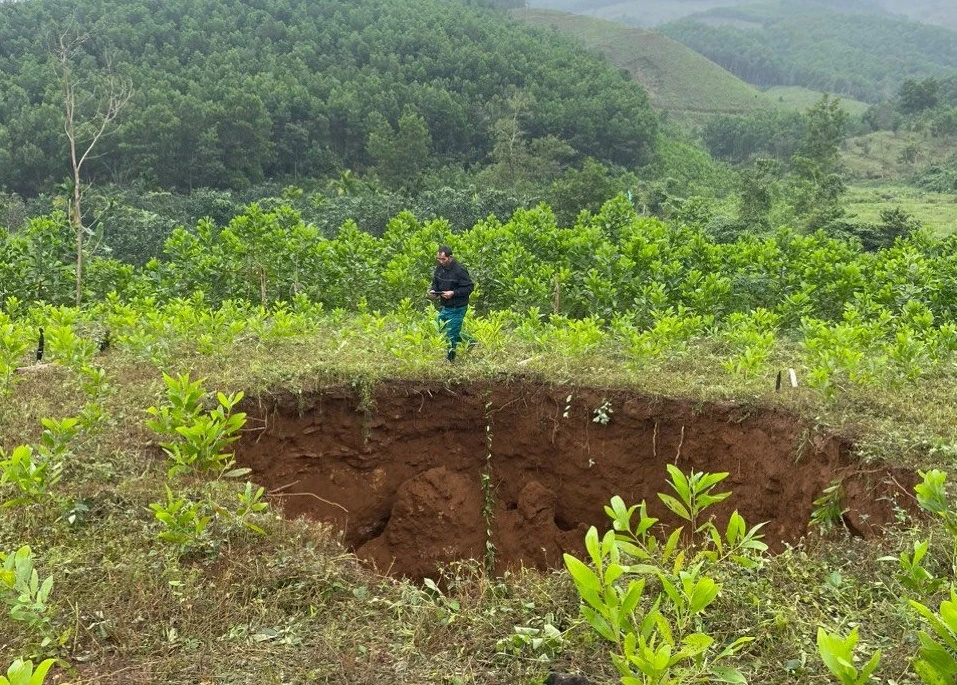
(106, 108)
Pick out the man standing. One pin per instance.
(452, 285)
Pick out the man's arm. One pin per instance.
(464, 286)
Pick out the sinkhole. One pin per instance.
(400, 471)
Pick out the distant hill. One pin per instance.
(939, 12)
(802, 43)
(655, 12)
(645, 13)
(676, 78)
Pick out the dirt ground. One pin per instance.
(401, 472)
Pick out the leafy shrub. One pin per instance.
(22, 591)
(22, 673)
(662, 641)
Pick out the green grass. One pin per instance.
(801, 99)
(882, 155)
(937, 211)
(295, 607)
(677, 78)
(679, 81)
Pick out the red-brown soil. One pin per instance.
(403, 478)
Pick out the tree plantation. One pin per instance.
(228, 94)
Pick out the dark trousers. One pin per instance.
(450, 321)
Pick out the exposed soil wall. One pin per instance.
(403, 478)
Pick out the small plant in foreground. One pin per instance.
(664, 643)
(22, 673)
(56, 435)
(828, 511)
(203, 443)
(93, 382)
(184, 404)
(183, 522)
(95, 386)
(932, 497)
(694, 492)
(250, 503)
(937, 660)
(653, 650)
(22, 591)
(203, 438)
(32, 477)
(838, 655)
(913, 575)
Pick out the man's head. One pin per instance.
(444, 255)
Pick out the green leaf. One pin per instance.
(930, 675)
(671, 545)
(593, 546)
(705, 501)
(705, 591)
(41, 671)
(581, 574)
(612, 573)
(675, 506)
(870, 667)
(237, 473)
(631, 549)
(696, 643)
(601, 626)
(670, 590)
(632, 596)
(722, 674)
(254, 528)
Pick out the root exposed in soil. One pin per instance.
(403, 478)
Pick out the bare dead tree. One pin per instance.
(88, 114)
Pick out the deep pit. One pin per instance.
(400, 472)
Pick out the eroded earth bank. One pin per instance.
(399, 470)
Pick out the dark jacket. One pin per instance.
(454, 277)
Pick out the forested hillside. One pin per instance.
(232, 92)
(939, 12)
(804, 44)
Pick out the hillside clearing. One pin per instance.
(677, 78)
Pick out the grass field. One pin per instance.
(937, 211)
(677, 78)
(796, 97)
(894, 156)
(285, 602)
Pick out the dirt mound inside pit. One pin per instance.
(403, 478)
